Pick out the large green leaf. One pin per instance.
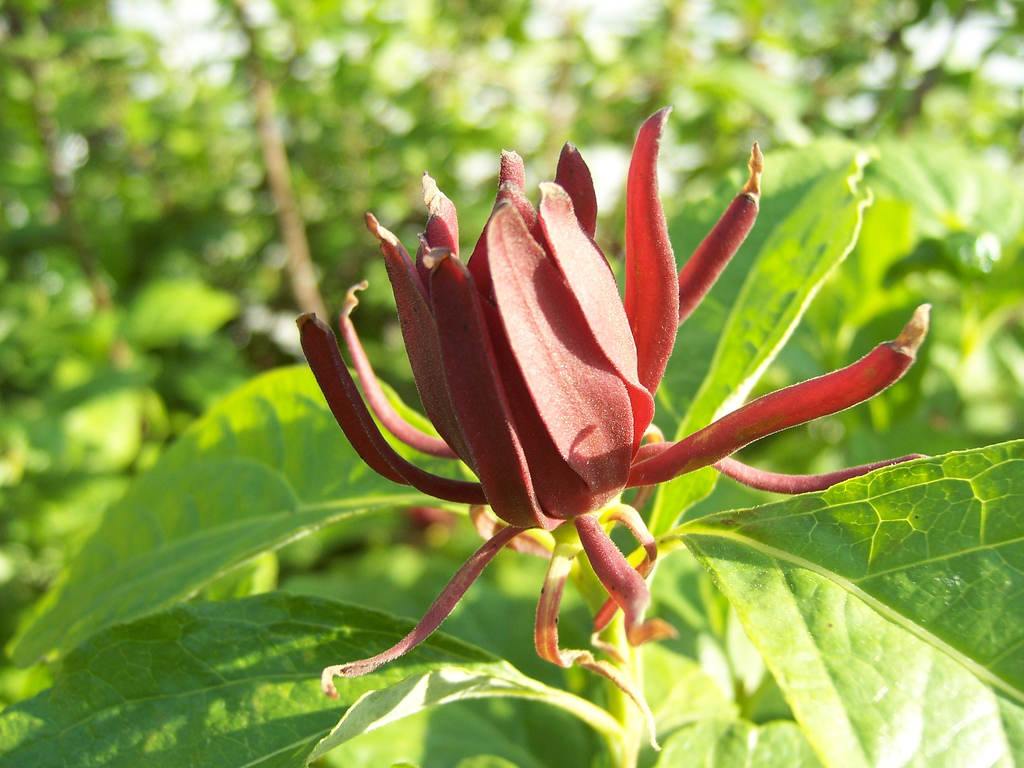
(950, 187)
(238, 684)
(890, 607)
(808, 223)
(265, 466)
(737, 744)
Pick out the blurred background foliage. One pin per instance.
(179, 179)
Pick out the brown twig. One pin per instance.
(301, 273)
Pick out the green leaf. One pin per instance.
(382, 707)
(889, 607)
(951, 188)
(168, 311)
(738, 744)
(806, 227)
(267, 465)
(680, 692)
(238, 684)
(462, 734)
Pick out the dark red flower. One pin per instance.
(541, 379)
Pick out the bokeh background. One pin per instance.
(179, 179)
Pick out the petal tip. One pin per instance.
(512, 169)
(351, 300)
(432, 194)
(914, 332)
(551, 190)
(383, 234)
(752, 188)
(435, 256)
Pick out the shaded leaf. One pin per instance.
(238, 684)
(265, 466)
(950, 188)
(680, 692)
(168, 311)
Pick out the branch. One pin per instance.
(301, 274)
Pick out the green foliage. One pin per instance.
(843, 592)
(145, 291)
(791, 252)
(247, 671)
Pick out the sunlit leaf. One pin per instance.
(738, 744)
(738, 330)
(238, 684)
(888, 607)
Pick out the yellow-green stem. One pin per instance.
(620, 705)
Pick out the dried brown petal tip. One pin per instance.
(435, 256)
(756, 165)
(372, 224)
(432, 195)
(351, 300)
(383, 234)
(913, 333)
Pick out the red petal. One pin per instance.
(560, 490)
(797, 404)
(442, 223)
(586, 271)
(342, 395)
(386, 414)
(479, 399)
(420, 335)
(625, 586)
(780, 483)
(580, 398)
(574, 177)
(512, 170)
(438, 611)
(652, 293)
(479, 267)
(721, 244)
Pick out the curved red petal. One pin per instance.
(625, 586)
(776, 482)
(652, 293)
(590, 279)
(574, 177)
(800, 403)
(478, 397)
(582, 401)
(718, 248)
(436, 613)
(420, 335)
(321, 349)
(393, 421)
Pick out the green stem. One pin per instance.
(620, 706)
